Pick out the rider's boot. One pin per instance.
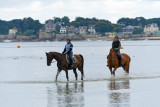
(70, 64)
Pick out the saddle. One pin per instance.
(73, 58)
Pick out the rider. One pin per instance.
(116, 45)
(68, 50)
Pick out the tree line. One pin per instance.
(138, 21)
(26, 26)
(29, 26)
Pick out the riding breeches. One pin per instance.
(70, 58)
(119, 56)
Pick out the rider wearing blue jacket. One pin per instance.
(68, 50)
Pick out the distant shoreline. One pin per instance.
(87, 39)
(138, 38)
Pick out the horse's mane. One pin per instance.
(55, 53)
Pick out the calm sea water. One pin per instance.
(26, 80)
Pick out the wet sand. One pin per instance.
(124, 93)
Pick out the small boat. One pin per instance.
(7, 41)
(88, 39)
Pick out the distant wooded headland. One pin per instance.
(58, 29)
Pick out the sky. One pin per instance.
(110, 10)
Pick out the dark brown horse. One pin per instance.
(62, 63)
(113, 62)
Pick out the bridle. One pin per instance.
(49, 61)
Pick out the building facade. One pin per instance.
(82, 29)
(91, 29)
(50, 26)
(12, 31)
(129, 29)
(71, 29)
(151, 28)
(63, 29)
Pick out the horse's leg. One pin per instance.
(58, 71)
(128, 69)
(80, 68)
(82, 72)
(75, 73)
(124, 67)
(115, 68)
(67, 75)
(110, 68)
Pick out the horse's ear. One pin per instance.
(46, 54)
(112, 49)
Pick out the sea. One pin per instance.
(27, 81)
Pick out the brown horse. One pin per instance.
(62, 63)
(113, 62)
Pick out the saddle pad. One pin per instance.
(73, 58)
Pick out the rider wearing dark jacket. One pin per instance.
(68, 50)
(116, 45)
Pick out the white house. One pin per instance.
(151, 28)
(13, 31)
(82, 29)
(63, 30)
(91, 29)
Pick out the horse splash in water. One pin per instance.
(62, 63)
(113, 62)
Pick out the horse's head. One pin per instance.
(112, 52)
(49, 59)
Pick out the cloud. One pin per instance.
(104, 9)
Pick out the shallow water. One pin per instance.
(26, 80)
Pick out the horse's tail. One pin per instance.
(82, 60)
(82, 67)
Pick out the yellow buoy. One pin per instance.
(18, 46)
(121, 47)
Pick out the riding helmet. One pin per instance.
(68, 39)
(116, 37)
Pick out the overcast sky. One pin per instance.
(111, 10)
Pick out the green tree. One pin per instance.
(138, 21)
(30, 24)
(116, 28)
(56, 20)
(4, 27)
(65, 20)
(137, 31)
(104, 26)
(58, 28)
(29, 33)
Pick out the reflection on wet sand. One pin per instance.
(67, 95)
(119, 98)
